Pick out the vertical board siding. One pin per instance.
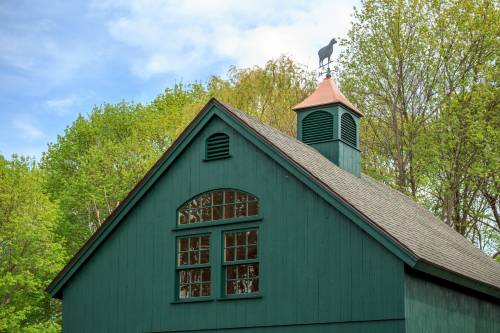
(433, 307)
(316, 266)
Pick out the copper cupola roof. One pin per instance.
(326, 93)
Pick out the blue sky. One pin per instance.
(60, 58)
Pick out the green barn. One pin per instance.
(241, 228)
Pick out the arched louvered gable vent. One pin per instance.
(217, 146)
(317, 127)
(348, 129)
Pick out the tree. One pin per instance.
(424, 73)
(30, 255)
(269, 93)
(100, 158)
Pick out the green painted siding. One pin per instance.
(319, 271)
(431, 306)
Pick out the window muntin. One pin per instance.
(240, 245)
(193, 266)
(241, 262)
(193, 250)
(218, 205)
(194, 283)
(242, 279)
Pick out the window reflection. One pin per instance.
(218, 205)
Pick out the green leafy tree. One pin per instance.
(424, 73)
(30, 254)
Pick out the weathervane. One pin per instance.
(325, 53)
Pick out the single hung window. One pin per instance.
(193, 266)
(241, 266)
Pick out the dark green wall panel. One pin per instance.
(434, 307)
(316, 266)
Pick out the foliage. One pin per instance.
(427, 84)
(30, 255)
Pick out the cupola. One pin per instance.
(328, 122)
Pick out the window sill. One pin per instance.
(240, 297)
(218, 223)
(193, 300)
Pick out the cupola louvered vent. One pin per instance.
(317, 127)
(217, 146)
(348, 129)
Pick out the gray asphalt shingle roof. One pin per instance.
(413, 226)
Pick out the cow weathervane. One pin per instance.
(326, 53)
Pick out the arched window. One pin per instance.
(237, 251)
(348, 129)
(217, 146)
(218, 205)
(317, 127)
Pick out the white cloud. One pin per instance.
(62, 106)
(27, 130)
(182, 37)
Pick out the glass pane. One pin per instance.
(205, 289)
(206, 200)
(229, 239)
(206, 214)
(217, 213)
(241, 209)
(252, 237)
(253, 208)
(252, 252)
(184, 291)
(194, 258)
(205, 274)
(217, 198)
(241, 197)
(254, 286)
(205, 242)
(229, 254)
(195, 275)
(194, 216)
(241, 253)
(242, 271)
(241, 238)
(195, 203)
(231, 272)
(252, 198)
(194, 243)
(184, 278)
(228, 197)
(183, 258)
(253, 270)
(183, 244)
(195, 290)
(183, 217)
(204, 257)
(229, 211)
(240, 287)
(230, 287)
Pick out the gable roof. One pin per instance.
(429, 244)
(327, 93)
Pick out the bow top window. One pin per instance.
(218, 205)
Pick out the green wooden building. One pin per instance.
(241, 228)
